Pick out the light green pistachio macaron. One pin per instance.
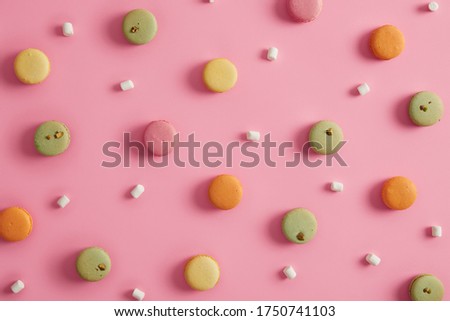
(93, 264)
(426, 108)
(299, 225)
(139, 26)
(426, 287)
(51, 138)
(325, 136)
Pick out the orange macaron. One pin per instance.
(225, 192)
(399, 193)
(387, 42)
(15, 224)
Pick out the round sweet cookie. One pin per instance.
(426, 108)
(304, 10)
(225, 192)
(387, 42)
(159, 137)
(220, 75)
(139, 26)
(426, 287)
(31, 66)
(93, 264)
(325, 137)
(202, 272)
(299, 225)
(15, 224)
(52, 138)
(399, 193)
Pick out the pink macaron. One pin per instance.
(158, 136)
(304, 10)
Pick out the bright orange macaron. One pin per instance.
(399, 193)
(225, 192)
(387, 42)
(15, 224)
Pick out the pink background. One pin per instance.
(149, 239)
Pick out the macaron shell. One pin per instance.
(202, 272)
(387, 42)
(15, 224)
(31, 66)
(399, 193)
(220, 75)
(426, 108)
(426, 287)
(159, 136)
(325, 136)
(299, 225)
(52, 138)
(225, 192)
(304, 10)
(93, 264)
(139, 26)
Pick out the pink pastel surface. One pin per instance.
(319, 66)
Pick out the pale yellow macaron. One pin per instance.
(31, 66)
(220, 75)
(202, 272)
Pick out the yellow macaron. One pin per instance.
(220, 75)
(202, 272)
(31, 66)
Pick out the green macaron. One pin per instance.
(51, 138)
(426, 108)
(426, 287)
(93, 264)
(139, 26)
(299, 225)
(325, 136)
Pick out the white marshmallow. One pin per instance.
(253, 135)
(363, 89)
(63, 201)
(289, 272)
(67, 29)
(436, 231)
(373, 259)
(126, 85)
(433, 6)
(138, 294)
(17, 286)
(272, 54)
(137, 191)
(337, 187)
